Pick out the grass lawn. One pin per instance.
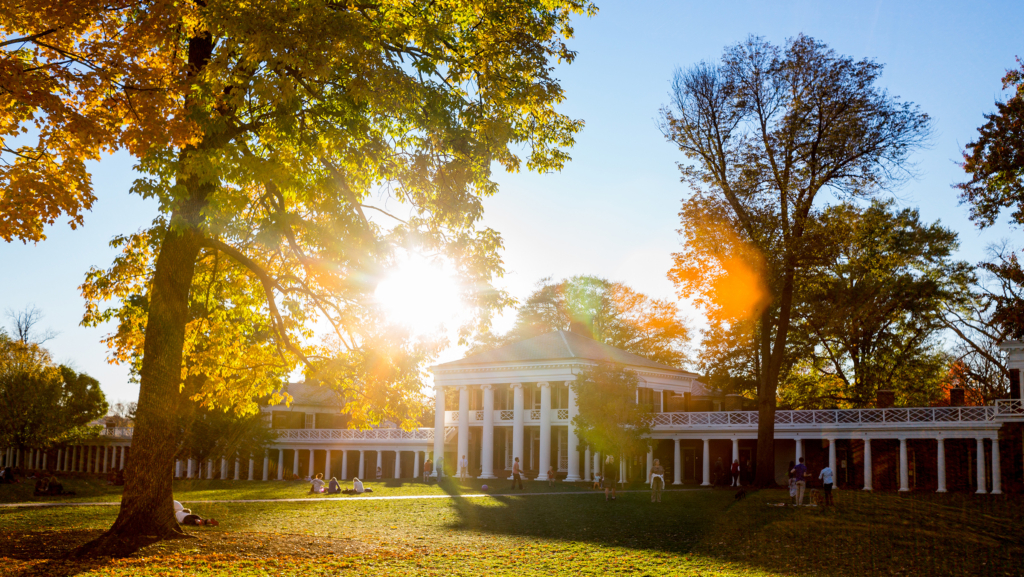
(697, 532)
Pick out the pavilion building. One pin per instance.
(515, 401)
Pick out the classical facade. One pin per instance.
(515, 402)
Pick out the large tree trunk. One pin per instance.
(766, 403)
(147, 511)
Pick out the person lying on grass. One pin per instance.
(185, 517)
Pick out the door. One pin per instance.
(843, 461)
(689, 465)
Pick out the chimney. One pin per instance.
(733, 403)
(956, 397)
(885, 399)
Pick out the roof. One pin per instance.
(557, 346)
(305, 393)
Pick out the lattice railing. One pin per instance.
(912, 415)
(479, 416)
(507, 415)
(453, 416)
(354, 434)
(535, 415)
(563, 464)
(563, 414)
(1010, 408)
(118, 432)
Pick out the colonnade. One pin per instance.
(70, 459)
(981, 478)
(238, 469)
(518, 429)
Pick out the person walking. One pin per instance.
(826, 478)
(657, 481)
(800, 474)
(735, 471)
(516, 478)
(607, 480)
(463, 469)
(428, 467)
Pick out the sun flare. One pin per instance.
(422, 296)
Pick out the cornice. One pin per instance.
(548, 366)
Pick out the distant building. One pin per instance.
(514, 402)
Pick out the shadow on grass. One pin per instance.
(631, 520)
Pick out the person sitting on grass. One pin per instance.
(42, 487)
(317, 484)
(334, 487)
(56, 488)
(357, 488)
(185, 517)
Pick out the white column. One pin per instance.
(106, 458)
(190, 466)
(327, 465)
(517, 424)
(312, 454)
(586, 465)
(380, 464)
(545, 431)
(224, 469)
(940, 458)
(735, 452)
(598, 466)
(88, 459)
(45, 455)
(177, 468)
(416, 471)
(238, 468)
(295, 462)
(997, 476)
(799, 448)
(438, 427)
(252, 470)
(344, 464)
(707, 463)
(573, 443)
(209, 468)
(123, 451)
(280, 464)
(980, 467)
(398, 464)
(677, 465)
(486, 437)
(904, 469)
(463, 444)
(266, 464)
(650, 464)
(868, 482)
(832, 459)
(362, 464)
(60, 459)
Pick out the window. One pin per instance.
(310, 420)
(287, 420)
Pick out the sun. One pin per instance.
(421, 295)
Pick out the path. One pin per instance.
(336, 499)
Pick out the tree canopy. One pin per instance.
(765, 134)
(608, 417)
(610, 312)
(43, 404)
(995, 163)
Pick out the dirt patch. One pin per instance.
(34, 545)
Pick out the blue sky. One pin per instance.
(612, 211)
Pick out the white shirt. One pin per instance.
(358, 485)
(318, 484)
(464, 462)
(180, 516)
(826, 475)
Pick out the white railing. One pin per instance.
(118, 432)
(747, 419)
(563, 464)
(1009, 408)
(354, 435)
(562, 415)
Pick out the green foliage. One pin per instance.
(42, 404)
(609, 419)
(211, 434)
(612, 312)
